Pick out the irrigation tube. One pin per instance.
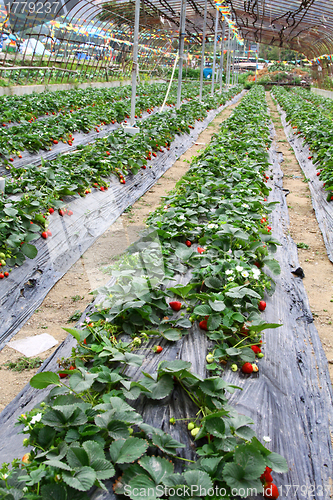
(170, 83)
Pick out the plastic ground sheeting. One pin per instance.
(289, 400)
(322, 208)
(28, 285)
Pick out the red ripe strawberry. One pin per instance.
(188, 243)
(11, 159)
(108, 153)
(318, 173)
(265, 199)
(256, 349)
(49, 232)
(271, 491)
(51, 210)
(69, 212)
(45, 235)
(20, 156)
(200, 250)
(262, 305)
(72, 367)
(309, 157)
(61, 212)
(55, 141)
(203, 325)
(6, 274)
(158, 349)
(144, 167)
(63, 375)
(269, 228)
(257, 264)
(154, 154)
(1, 276)
(123, 181)
(102, 188)
(266, 477)
(176, 305)
(247, 368)
(244, 330)
(85, 341)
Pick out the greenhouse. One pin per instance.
(166, 249)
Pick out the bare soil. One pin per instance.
(72, 292)
(304, 229)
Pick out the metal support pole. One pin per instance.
(222, 55)
(135, 59)
(233, 60)
(228, 60)
(257, 55)
(214, 54)
(181, 51)
(203, 52)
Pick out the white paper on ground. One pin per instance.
(31, 346)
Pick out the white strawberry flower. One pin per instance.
(245, 274)
(231, 278)
(256, 272)
(36, 418)
(239, 269)
(267, 439)
(229, 271)
(212, 226)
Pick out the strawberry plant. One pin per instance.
(316, 126)
(43, 187)
(89, 428)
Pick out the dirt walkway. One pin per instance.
(305, 232)
(71, 293)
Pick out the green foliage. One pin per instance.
(87, 431)
(23, 363)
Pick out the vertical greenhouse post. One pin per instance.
(228, 59)
(203, 51)
(233, 60)
(135, 59)
(214, 54)
(181, 50)
(222, 54)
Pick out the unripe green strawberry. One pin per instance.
(210, 358)
(195, 431)
(190, 426)
(234, 367)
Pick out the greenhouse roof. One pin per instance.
(303, 25)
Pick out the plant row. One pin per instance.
(31, 106)
(40, 189)
(109, 106)
(213, 230)
(314, 124)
